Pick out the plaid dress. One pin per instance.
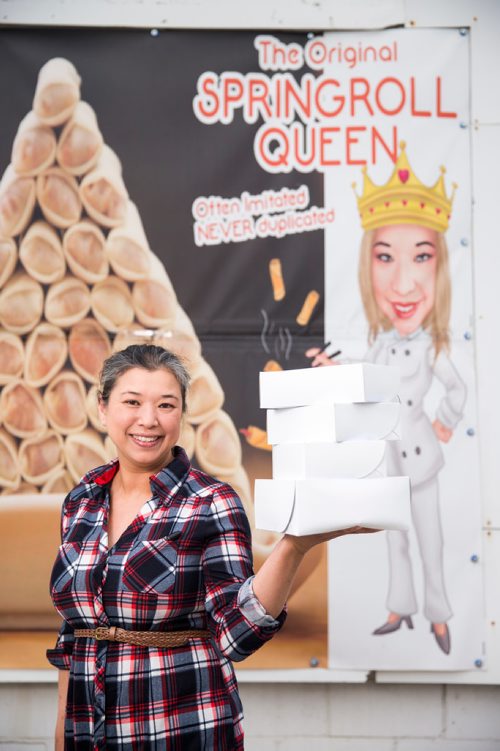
(184, 562)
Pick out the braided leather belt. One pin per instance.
(143, 638)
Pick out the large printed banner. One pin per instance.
(122, 221)
(398, 287)
(197, 193)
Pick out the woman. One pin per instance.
(406, 292)
(154, 580)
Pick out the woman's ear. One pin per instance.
(101, 408)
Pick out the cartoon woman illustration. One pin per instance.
(406, 292)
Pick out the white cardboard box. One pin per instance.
(302, 507)
(324, 423)
(299, 461)
(356, 382)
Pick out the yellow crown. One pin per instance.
(404, 199)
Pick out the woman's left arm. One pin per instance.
(246, 611)
(237, 621)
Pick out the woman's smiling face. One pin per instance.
(404, 259)
(143, 418)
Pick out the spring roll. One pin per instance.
(17, 201)
(256, 437)
(41, 253)
(57, 91)
(218, 446)
(128, 249)
(84, 249)
(46, 352)
(21, 304)
(34, 147)
(8, 258)
(58, 197)
(80, 142)
(277, 280)
(308, 308)
(11, 357)
(103, 191)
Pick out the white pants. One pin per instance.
(426, 519)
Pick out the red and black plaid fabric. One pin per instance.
(183, 563)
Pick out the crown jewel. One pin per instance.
(404, 199)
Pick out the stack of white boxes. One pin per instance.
(329, 429)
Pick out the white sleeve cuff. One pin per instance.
(251, 608)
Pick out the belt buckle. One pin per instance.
(101, 633)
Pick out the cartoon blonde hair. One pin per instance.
(436, 322)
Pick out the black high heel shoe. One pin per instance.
(391, 626)
(443, 640)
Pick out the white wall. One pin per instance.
(367, 717)
(320, 716)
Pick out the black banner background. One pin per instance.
(141, 88)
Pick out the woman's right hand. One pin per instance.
(59, 740)
(319, 358)
(62, 698)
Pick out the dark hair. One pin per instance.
(147, 356)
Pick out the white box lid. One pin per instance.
(317, 423)
(357, 382)
(318, 460)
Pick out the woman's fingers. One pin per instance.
(319, 357)
(303, 543)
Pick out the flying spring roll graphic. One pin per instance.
(77, 282)
(277, 280)
(271, 365)
(308, 308)
(256, 437)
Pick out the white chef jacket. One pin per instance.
(419, 455)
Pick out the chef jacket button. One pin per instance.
(409, 402)
(417, 450)
(393, 351)
(403, 454)
(407, 352)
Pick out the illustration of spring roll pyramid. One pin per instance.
(78, 280)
